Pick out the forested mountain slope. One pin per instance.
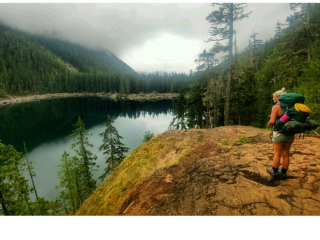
(84, 59)
(290, 59)
(33, 64)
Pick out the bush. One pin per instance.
(3, 93)
(147, 136)
(224, 142)
(242, 140)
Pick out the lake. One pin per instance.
(46, 125)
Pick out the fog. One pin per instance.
(148, 37)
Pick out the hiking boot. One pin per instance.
(282, 175)
(272, 172)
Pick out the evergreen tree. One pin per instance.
(303, 11)
(179, 111)
(195, 108)
(72, 182)
(222, 19)
(14, 189)
(30, 170)
(112, 146)
(85, 157)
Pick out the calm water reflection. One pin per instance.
(45, 127)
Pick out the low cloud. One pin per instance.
(126, 28)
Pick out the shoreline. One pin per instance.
(114, 96)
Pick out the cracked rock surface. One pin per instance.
(215, 179)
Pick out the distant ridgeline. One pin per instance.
(290, 59)
(36, 64)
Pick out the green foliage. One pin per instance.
(112, 146)
(75, 174)
(14, 189)
(85, 158)
(290, 59)
(195, 108)
(73, 183)
(147, 136)
(309, 83)
(242, 140)
(3, 93)
(179, 111)
(34, 64)
(222, 20)
(224, 142)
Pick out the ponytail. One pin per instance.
(280, 92)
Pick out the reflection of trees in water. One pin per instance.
(38, 122)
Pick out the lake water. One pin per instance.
(46, 125)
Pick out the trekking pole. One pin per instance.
(316, 132)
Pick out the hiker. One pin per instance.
(281, 142)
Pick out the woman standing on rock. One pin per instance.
(281, 142)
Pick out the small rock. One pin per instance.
(169, 178)
(227, 177)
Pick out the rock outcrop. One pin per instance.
(210, 172)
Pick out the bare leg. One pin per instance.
(277, 147)
(285, 155)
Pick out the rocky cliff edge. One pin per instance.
(220, 171)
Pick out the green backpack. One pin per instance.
(297, 122)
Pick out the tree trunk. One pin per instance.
(235, 47)
(79, 198)
(30, 172)
(28, 204)
(215, 115)
(70, 189)
(3, 205)
(308, 33)
(228, 97)
(251, 55)
(65, 207)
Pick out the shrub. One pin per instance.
(147, 136)
(242, 140)
(224, 142)
(3, 93)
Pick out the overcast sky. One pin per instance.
(148, 37)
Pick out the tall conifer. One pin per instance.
(222, 19)
(86, 158)
(112, 146)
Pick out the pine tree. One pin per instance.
(72, 182)
(30, 170)
(304, 13)
(195, 108)
(112, 146)
(256, 43)
(86, 158)
(222, 19)
(179, 111)
(14, 188)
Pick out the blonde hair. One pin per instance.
(280, 92)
